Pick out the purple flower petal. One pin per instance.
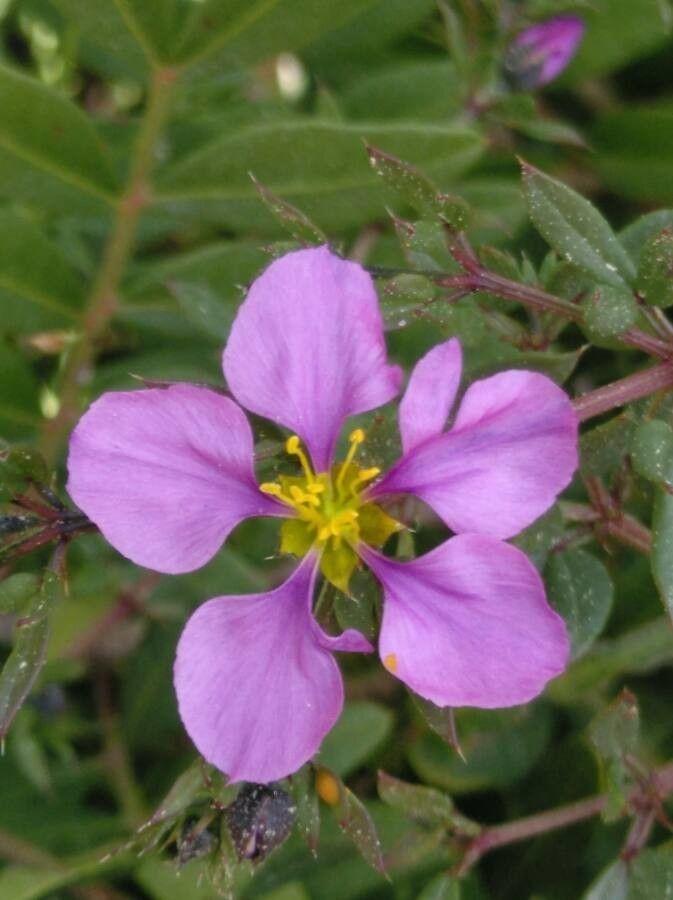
(540, 53)
(430, 393)
(165, 474)
(257, 689)
(468, 624)
(306, 349)
(511, 451)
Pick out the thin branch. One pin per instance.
(493, 837)
(633, 387)
(102, 302)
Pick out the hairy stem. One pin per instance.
(102, 301)
(492, 837)
(633, 387)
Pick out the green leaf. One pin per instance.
(500, 747)
(355, 821)
(655, 272)
(360, 731)
(32, 883)
(49, 151)
(612, 884)
(16, 591)
(662, 548)
(203, 308)
(538, 539)
(29, 652)
(38, 288)
(318, 166)
(608, 313)
(575, 229)
(614, 734)
(249, 31)
(618, 31)
(19, 411)
(580, 590)
(652, 874)
(109, 39)
(307, 805)
(185, 790)
(635, 152)
(427, 89)
(416, 189)
(604, 447)
(443, 887)
(635, 235)
(293, 220)
(641, 649)
(652, 451)
(425, 805)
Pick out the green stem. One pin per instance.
(102, 302)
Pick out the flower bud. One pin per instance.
(259, 819)
(540, 53)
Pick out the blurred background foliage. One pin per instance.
(130, 226)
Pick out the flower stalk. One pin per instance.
(102, 302)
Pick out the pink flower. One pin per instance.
(166, 474)
(540, 53)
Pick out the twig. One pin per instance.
(633, 387)
(102, 302)
(493, 837)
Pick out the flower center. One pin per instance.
(330, 514)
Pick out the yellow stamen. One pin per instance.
(355, 438)
(363, 476)
(300, 496)
(293, 447)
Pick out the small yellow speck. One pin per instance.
(390, 662)
(327, 787)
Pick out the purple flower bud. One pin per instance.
(540, 53)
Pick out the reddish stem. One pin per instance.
(492, 837)
(633, 387)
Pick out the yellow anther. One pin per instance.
(292, 444)
(300, 496)
(316, 488)
(357, 436)
(270, 487)
(363, 476)
(325, 532)
(293, 447)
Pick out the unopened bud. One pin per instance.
(540, 53)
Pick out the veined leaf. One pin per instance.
(46, 140)
(319, 165)
(252, 30)
(575, 229)
(38, 288)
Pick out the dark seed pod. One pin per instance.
(260, 819)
